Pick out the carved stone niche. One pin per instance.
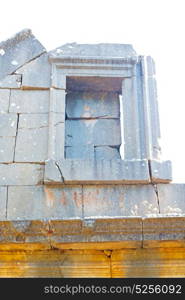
(90, 85)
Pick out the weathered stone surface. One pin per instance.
(8, 125)
(134, 200)
(4, 100)
(18, 50)
(103, 171)
(3, 201)
(52, 173)
(79, 152)
(44, 203)
(171, 198)
(106, 152)
(102, 50)
(160, 171)
(31, 144)
(21, 174)
(96, 132)
(25, 101)
(36, 74)
(162, 229)
(92, 105)
(11, 82)
(7, 148)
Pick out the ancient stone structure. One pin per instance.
(72, 204)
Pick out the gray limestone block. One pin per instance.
(31, 144)
(106, 152)
(4, 100)
(8, 125)
(21, 174)
(11, 82)
(52, 173)
(95, 131)
(119, 200)
(101, 50)
(92, 105)
(18, 50)
(104, 171)
(3, 202)
(161, 171)
(79, 152)
(44, 203)
(171, 198)
(7, 147)
(37, 73)
(25, 101)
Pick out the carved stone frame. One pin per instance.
(141, 162)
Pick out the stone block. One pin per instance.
(8, 125)
(44, 203)
(161, 171)
(52, 173)
(21, 174)
(92, 105)
(106, 152)
(171, 198)
(97, 132)
(31, 144)
(79, 152)
(37, 73)
(11, 82)
(3, 202)
(4, 100)
(7, 147)
(18, 50)
(158, 230)
(129, 201)
(25, 101)
(103, 171)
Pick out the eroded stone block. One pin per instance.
(11, 82)
(7, 147)
(8, 125)
(92, 105)
(37, 73)
(18, 50)
(25, 101)
(4, 100)
(44, 203)
(21, 174)
(120, 200)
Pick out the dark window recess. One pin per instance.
(92, 127)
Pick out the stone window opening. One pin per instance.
(93, 118)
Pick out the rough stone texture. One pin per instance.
(79, 152)
(21, 174)
(160, 171)
(102, 50)
(97, 132)
(25, 101)
(8, 125)
(119, 201)
(52, 173)
(18, 50)
(106, 152)
(92, 105)
(31, 144)
(31, 73)
(3, 201)
(172, 198)
(4, 100)
(7, 148)
(44, 203)
(102, 171)
(11, 82)
(161, 229)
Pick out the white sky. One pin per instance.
(154, 27)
